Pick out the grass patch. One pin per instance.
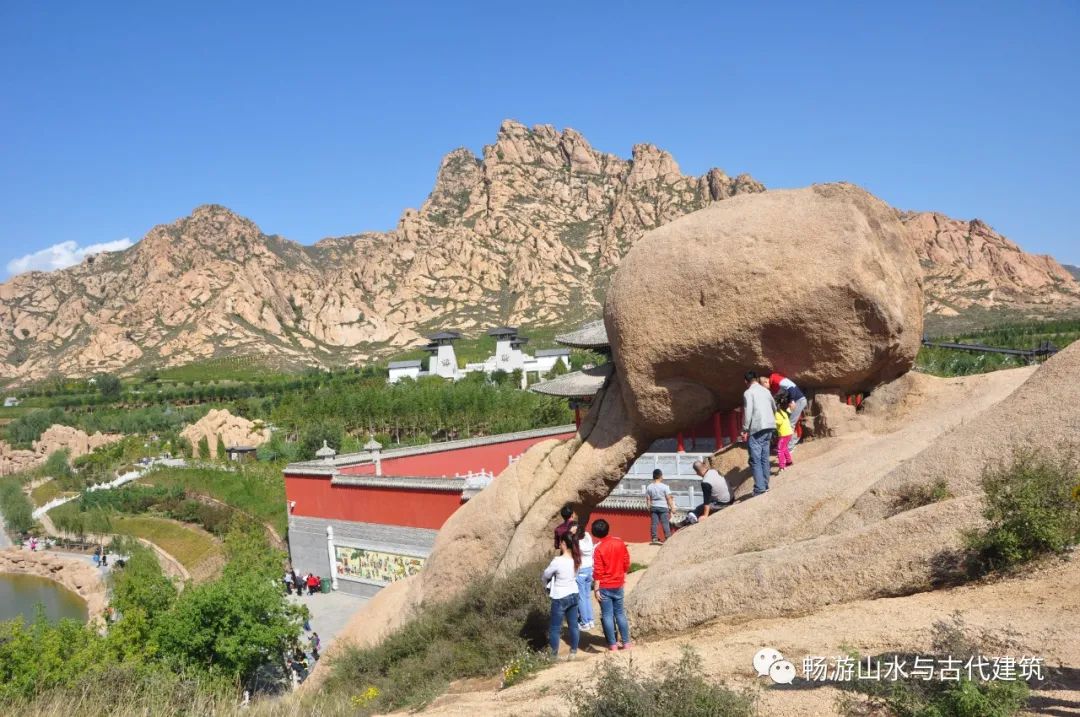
(256, 489)
(189, 546)
(477, 634)
(49, 490)
(634, 567)
(916, 495)
(1031, 510)
(676, 689)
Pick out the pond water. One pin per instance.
(20, 594)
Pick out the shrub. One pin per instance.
(15, 506)
(917, 495)
(913, 696)
(57, 465)
(677, 689)
(478, 633)
(203, 449)
(522, 665)
(1029, 511)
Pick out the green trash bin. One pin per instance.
(326, 586)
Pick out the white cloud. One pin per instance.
(62, 255)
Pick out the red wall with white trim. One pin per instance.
(316, 498)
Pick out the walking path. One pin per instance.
(119, 481)
(329, 613)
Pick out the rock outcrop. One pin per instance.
(840, 533)
(233, 431)
(682, 338)
(56, 437)
(818, 283)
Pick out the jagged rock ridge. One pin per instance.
(528, 233)
(525, 234)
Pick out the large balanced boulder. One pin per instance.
(819, 283)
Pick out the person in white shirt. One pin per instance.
(584, 578)
(561, 579)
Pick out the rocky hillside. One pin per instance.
(526, 234)
(970, 266)
(523, 235)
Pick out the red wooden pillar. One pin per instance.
(577, 416)
(680, 447)
(717, 430)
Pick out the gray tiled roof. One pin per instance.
(415, 363)
(552, 352)
(444, 335)
(585, 382)
(348, 459)
(588, 336)
(408, 482)
(502, 331)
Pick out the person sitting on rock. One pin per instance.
(567, 514)
(783, 430)
(759, 424)
(714, 490)
(778, 382)
(611, 561)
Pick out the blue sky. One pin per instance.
(320, 122)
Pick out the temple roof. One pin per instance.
(444, 336)
(415, 363)
(503, 331)
(576, 384)
(592, 335)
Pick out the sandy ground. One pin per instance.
(1034, 615)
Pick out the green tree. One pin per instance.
(204, 448)
(108, 386)
(140, 585)
(235, 624)
(314, 433)
(57, 465)
(220, 447)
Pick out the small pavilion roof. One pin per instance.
(576, 384)
(445, 336)
(503, 331)
(592, 335)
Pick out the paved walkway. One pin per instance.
(329, 613)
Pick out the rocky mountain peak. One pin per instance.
(528, 233)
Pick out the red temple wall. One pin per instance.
(317, 498)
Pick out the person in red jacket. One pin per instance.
(611, 561)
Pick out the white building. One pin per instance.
(508, 357)
(405, 369)
(443, 361)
